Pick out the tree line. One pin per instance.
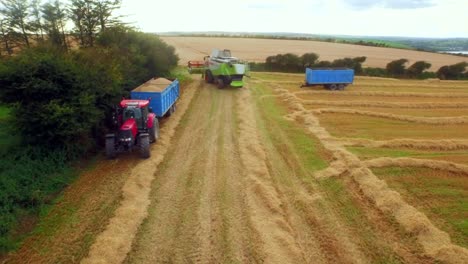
(396, 69)
(60, 84)
(24, 23)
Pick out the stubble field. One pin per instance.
(411, 135)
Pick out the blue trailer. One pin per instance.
(162, 94)
(332, 79)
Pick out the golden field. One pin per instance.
(257, 50)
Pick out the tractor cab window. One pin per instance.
(134, 113)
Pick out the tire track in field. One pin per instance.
(406, 118)
(447, 144)
(388, 94)
(113, 244)
(425, 105)
(199, 209)
(434, 242)
(415, 162)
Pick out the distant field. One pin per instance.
(256, 50)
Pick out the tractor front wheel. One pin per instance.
(144, 146)
(110, 148)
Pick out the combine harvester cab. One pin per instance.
(330, 78)
(221, 68)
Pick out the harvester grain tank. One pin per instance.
(221, 68)
(330, 78)
(136, 119)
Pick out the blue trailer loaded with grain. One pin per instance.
(332, 79)
(162, 93)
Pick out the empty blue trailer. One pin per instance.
(162, 94)
(332, 79)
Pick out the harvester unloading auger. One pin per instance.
(220, 68)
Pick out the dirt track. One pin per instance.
(215, 199)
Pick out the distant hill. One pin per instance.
(426, 44)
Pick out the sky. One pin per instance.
(408, 18)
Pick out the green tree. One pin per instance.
(58, 99)
(36, 23)
(141, 55)
(416, 70)
(352, 63)
(16, 13)
(452, 72)
(77, 11)
(104, 12)
(309, 59)
(397, 67)
(54, 23)
(5, 35)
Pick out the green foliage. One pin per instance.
(26, 188)
(352, 63)
(284, 63)
(453, 72)
(16, 13)
(309, 59)
(141, 55)
(397, 67)
(417, 69)
(58, 98)
(55, 17)
(292, 63)
(375, 72)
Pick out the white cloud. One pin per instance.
(387, 18)
(394, 4)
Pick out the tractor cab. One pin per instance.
(137, 110)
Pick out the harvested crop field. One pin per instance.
(411, 134)
(257, 50)
(261, 174)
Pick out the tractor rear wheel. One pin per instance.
(154, 131)
(144, 146)
(110, 148)
(333, 87)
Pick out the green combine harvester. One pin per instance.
(220, 68)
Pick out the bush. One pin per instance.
(375, 72)
(397, 67)
(26, 188)
(59, 98)
(416, 70)
(284, 63)
(141, 55)
(453, 72)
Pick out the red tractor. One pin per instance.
(137, 126)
